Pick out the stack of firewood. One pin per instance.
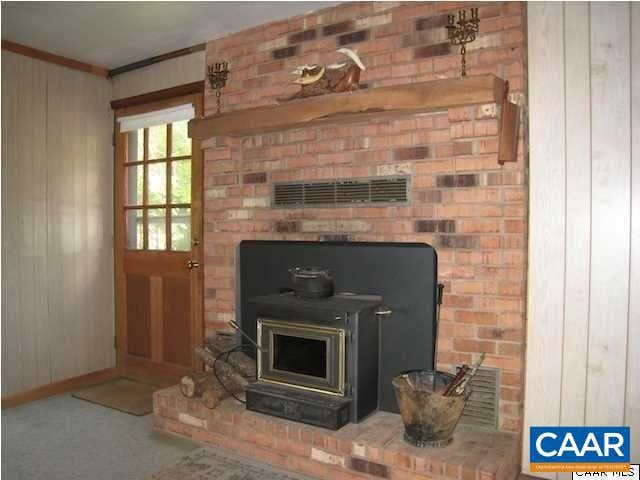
(234, 371)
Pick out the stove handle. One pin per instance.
(383, 311)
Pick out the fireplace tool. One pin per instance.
(237, 328)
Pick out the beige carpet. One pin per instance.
(210, 463)
(121, 394)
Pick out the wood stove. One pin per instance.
(403, 274)
(317, 358)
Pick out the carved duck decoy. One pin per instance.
(336, 78)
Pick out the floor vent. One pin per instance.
(335, 193)
(482, 407)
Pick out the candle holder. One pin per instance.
(462, 32)
(217, 75)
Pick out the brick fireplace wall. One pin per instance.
(471, 209)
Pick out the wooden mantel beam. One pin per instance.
(357, 106)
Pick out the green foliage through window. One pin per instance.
(157, 187)
(180, 141)
(157, 142)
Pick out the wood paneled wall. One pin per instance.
(166, 74)
(57, 224)
(583, 340)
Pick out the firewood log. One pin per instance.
(225, 371)
(220, 343)
(211, 397)
(195, 384)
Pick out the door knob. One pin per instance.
(192, 264)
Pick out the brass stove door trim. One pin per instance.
(334, 337)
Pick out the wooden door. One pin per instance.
(158, 185)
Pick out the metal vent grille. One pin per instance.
(335, 193)
(482, 408)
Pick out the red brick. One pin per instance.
(229, 179)
(514, 226)
(463, 130)
(303, 36)
(460, 114)
(511, 334)
(474, 346)
(479, 226)
(509, 349)
(270, 67)
(462, 148)
(404, 70)
(457, 330)
(468, 287)
(482, 262)
(412, 153)
(477, 318)
(435, 50)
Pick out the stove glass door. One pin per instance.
(295, 354)
(302, 356)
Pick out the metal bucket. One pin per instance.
(429, 418)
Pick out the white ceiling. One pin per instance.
(112, 34)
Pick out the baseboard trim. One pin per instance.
(60, 387)
(138, 364)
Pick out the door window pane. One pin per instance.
(157, 228)
(181, 229)
(180, 141)
(134, 184)
(157, 142)
(157, 193)
(181, 181)
(156, 183)
(135, 146)
(134, 229)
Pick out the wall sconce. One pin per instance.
(464, 32)
(218, 74)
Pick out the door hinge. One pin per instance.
(349, 335)
(348, 390)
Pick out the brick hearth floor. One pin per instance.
(373, 449)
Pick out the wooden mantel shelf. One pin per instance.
(361, 105)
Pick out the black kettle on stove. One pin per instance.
(311, 282)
